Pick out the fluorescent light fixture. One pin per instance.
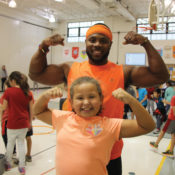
(52, 18)
(12, 4)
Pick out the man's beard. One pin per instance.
(98, 61)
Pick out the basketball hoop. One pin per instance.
(158, 8)
(154, 27)
(153, 16)
(145, 28)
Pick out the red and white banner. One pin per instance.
(66, 52)
(75, 52)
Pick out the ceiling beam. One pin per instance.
(124, 11)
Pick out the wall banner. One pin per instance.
(66, 52)
(83, 54)
(174, 52)
(167, 52)
(75, 52)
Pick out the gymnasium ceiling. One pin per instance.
(79, 9)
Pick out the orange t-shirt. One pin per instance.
(83, 145)
(110, 76)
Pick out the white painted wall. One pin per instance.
(19, 41)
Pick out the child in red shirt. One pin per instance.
(169, 127)
(19, 102)
(4, 118)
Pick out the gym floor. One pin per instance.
(138, 158)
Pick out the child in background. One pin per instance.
(18, 101)
(169, 128)
(169, 93)
(160, 111)
(150, 101)
(4, 118)
(84, 138)
(142, 96)
(4, 130)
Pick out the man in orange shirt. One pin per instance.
(111, 76)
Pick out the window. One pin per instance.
(165, 28)
(171, 27)
(76, 32)
(73, 32)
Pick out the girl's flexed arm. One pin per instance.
(40, 108)
(143, 123)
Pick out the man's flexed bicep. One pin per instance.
(40, 71)
(141, 76)
(52, 74)
(155, 73)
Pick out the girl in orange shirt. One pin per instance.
(85, 139)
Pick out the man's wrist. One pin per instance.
(145, 41)
(44, 48)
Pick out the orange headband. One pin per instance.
(99, 29)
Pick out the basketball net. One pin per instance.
(165, 10)
(158, 8)
(153, 16)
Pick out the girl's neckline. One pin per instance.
(87, 118)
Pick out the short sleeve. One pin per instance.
(5, 95)
(115, 126)
(58, 117)
(146, 92)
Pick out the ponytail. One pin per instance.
(21, 80)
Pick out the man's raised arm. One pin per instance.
(40, 71)
(155, 73)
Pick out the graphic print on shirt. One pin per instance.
(94, 129)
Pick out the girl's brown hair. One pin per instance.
(20, 80)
